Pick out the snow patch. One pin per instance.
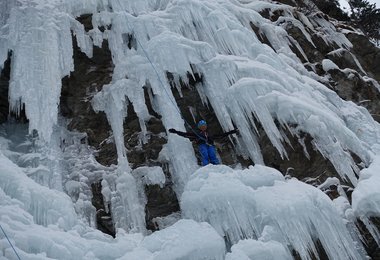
(250, 249)
(186, 239)
(329, 65)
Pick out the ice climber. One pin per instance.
(205, 141)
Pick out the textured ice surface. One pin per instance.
(253, 249)
(163, 222)
(186, 239)
(126, 198)
(39, 35)
(238, 209)
(366, 196)
(150, 175)
(33, 241)
(45, 206)
(329, 65)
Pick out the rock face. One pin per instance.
(5, 111)
(356, 89)
(88, 77)
(367, 53)
(4, 85)
(103, 219)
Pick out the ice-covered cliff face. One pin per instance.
(260, 66)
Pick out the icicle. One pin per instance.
(127, 203)
(3, 50)
(365, 198)
(45, 205)
(182, 157)
(330, 33)
(372, 229)
(84, 41)
(41, 43)
(127, 206)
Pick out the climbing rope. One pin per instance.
(5, 234)
(162, 83)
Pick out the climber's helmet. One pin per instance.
(202, 125)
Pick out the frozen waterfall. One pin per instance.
(46, 171)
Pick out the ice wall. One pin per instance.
(243, 79)
(80, 170)
(38, 33)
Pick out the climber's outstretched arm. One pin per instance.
(235, 131)
(183, 134)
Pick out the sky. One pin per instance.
(344, 4)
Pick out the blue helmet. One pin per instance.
(201, 123)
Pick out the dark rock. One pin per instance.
(312, 53)
(298, 165)
(4, 86)
(370, 244)
(266, 13)
(332, 9)
(261, 36)
(355, 89)
(5, 111)
(161, 202)
(86, 20)
(155, 126)
(275, 14)
(88, 77)
(322, 46)
(344, 60)
(315, 53)
(288, 2)
(139, 153)
(103, 218)
(332, 192)
(367, 53)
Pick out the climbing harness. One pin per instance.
(5, 234)
(162, 83)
